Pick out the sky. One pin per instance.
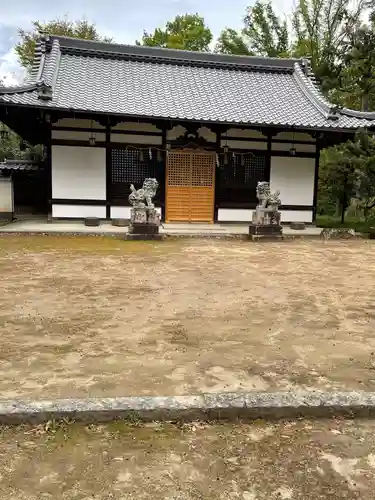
(123, 20)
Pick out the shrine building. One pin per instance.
(207, 126)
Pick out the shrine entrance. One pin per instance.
(190, 186)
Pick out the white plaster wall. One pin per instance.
(300, 148)
(78, 211)
(207, 134)
(73, 135)
(6, 195)
(242, 215)
(294, 177)
(241, 132)
(234, 215)
(124, 212)
(296, 216)
(78, 173)
(77, 122)
(175, 132)
(243, 144)
(139, 127)
(297, 136)
(137, 139)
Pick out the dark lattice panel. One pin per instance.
(238, 179)
(127, 168)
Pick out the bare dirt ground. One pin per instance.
(85, 316)
(325, 460)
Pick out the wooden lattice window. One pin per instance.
(127, 168)
(179, 172)
(254, 169)
(237, 180)
(201, 172)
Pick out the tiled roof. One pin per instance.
(87, 76)
(12, 165)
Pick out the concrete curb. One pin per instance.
(167, 235)
(207, 407)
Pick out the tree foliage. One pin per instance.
(347, 174)
(263, 34)
(233, 42)
(321, 29)
(25, 49)
(266, 33)
(337, 178)
(361, 154)
(358, 74)
(13, 147)
(187, 32)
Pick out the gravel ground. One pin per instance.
(310, 460)
(86, 316)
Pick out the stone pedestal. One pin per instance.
(144, 224)
(265, 230)
(120, 222)
(266, 224)
(92, 222)
(300, 226)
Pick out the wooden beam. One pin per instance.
(316, 182)
(163, 180)
(48, 152)
(268, 158)
(108, 169)
(217, 175)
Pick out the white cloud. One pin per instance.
(11, 73)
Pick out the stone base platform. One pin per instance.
(143, 228)
(268, 231)
(144, 237)
(143, 231)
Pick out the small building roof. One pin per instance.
(18, 165)
(85, 76)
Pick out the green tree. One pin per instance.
(25, 49)
(264, 34)
(321, 29)
(337, 178)
(347, 175)
(361, 153)
(231, 41)
(13, 147)
(358, 75)
(187, 32)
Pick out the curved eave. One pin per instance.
(21, 89)
(48, 106)
(367, 115)
(312, 91)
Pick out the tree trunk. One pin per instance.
(365, 101)
(365, 212)
(343, 213)
(344, 202)
(338, 208)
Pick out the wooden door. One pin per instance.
(190, 188)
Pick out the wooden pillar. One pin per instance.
(163, 178)
(316, 181)
(217, 176)
(270, 134)
(108, 170)
(48, 160)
